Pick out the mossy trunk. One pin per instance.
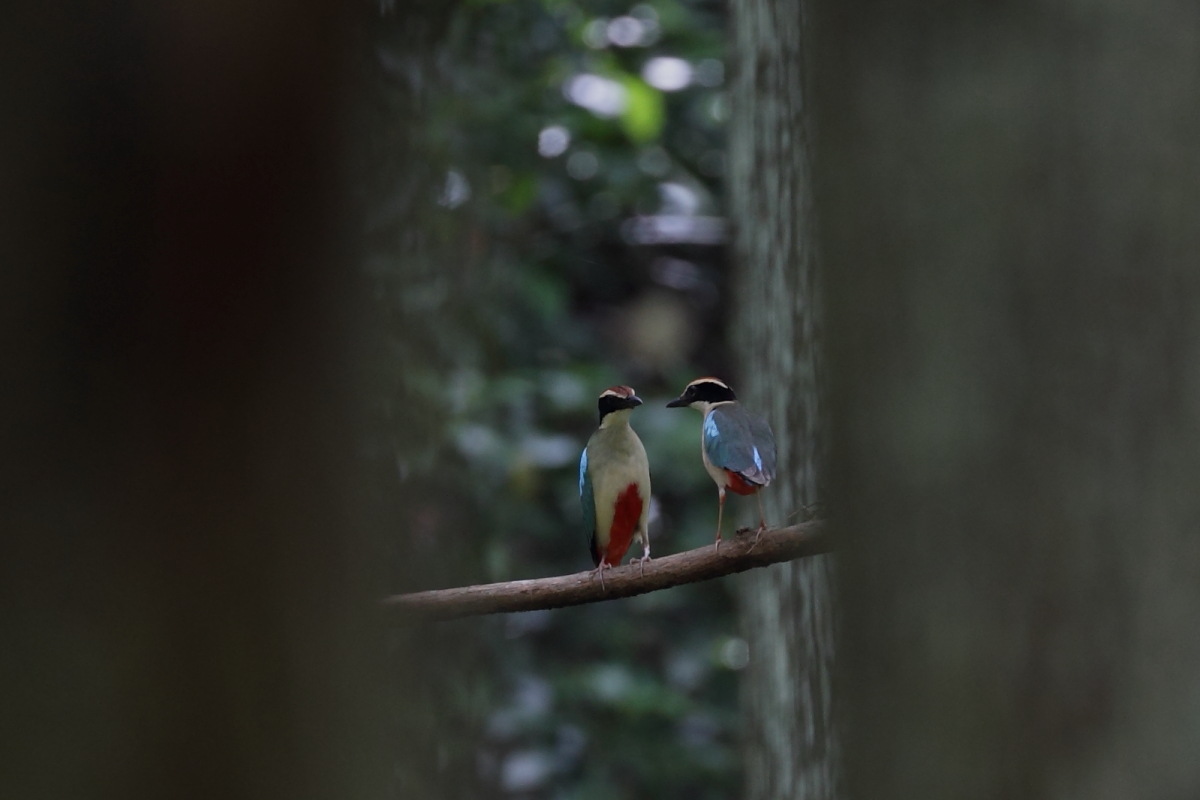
(787, 611)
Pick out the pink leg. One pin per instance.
(720, 514)
(762, 521)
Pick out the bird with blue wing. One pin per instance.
(737, 447)
(614, 483)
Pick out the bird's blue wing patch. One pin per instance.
(712, 438)
(725, 443)
(586, 498)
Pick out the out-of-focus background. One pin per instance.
(565, 231)
(306, 303)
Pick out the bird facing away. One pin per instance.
(614, 482)
(738, 448)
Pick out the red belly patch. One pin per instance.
(626, 514)
(739, 485)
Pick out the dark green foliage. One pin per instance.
(510, 294)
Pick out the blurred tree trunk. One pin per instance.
(1010, 196)
(187, 596)
(787, 611)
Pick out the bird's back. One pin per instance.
(740, 442)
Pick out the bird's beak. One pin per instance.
(678, 402)
(634, 401)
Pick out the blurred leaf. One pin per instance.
(520, 194)
(644, 113)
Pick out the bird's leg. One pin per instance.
(720, 513)
(645, 555)
(762, 521)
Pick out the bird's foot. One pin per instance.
(717, 543)
(641, 564)
(762, 526)
(603, 565)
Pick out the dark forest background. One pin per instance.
(564, 231)
(308, 303)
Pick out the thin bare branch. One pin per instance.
(735, 555)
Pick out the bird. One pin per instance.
(614, 483)
(737, 447)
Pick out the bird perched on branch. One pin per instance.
(737, 447)
(614, 482)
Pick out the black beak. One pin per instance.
(678, 402)
(633, 401)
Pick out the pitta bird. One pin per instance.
(737, 447)
(614, 482)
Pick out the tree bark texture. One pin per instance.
(1009, 198)
(787, 611)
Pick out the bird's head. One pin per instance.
(703, 393)
(617, 398)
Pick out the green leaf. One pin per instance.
(520, 194)
(644, 113)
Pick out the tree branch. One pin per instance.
(701, 564)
